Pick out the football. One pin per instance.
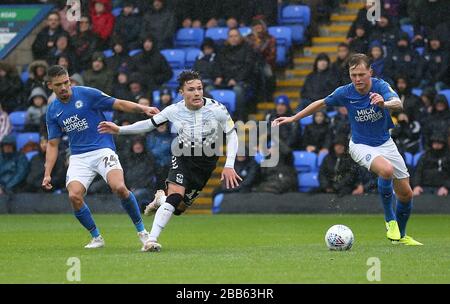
(339, 237)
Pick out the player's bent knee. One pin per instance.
(387, 172)
(76, 199)
(121, 190)
(175, 200)
(405, 196)
(180, 209)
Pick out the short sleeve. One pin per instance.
(224, 118)
(336, 98)
(386, 91)
(53, 128)
(99, 100)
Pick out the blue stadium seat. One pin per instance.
(409, 29)
(320, 158)
(226, 97)
(420, 50)
(189, 37)
(305, 161)
(175, 57)
(281, 59)
(218, 34)
(308, 181)
(17, 120)
(191, 56)
(298, 32)
(282, 34)
(173, 83)
(134, 52)
(108, 53)
(24, 76)
(108, 115)
(217, 202)
(331, 114)
(416, 91)
(416, 158)
(23, 138)
(306, 121)
(245, 31)
(295, 14)
(30, 154)
(409, 159)
(446, 93)
(116, 12)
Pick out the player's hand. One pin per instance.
(46, 183)
(376, 99)
(281, 121)
(417, 190)
(150, 111)
(231, 178)
(442, 191)
(108, 128)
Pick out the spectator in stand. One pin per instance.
(199, 13)
(432, 174)
(120, 86)
(361, 18)
(85, 43)
(261, 9)
(232, 12)
(426, 105)
(139, 168)
(102, 20)
(316, 137)
(360, 42)
(137, 87)
(320, 82)
(439, 119)
(392, 9)
(69, 26)
(338, 172)
(152, 68)
(165, 95)
(340, 66)
(13, 166)
(404, 60)
(33, 181)
(62, 47)
(205, 63)
(46, 38)
(431, 15)
(37, 109)
(160, 22)
(340, 124)
(289, 133)
(65, 61)
(406, 134)
(386, 33)
(128, 26)
(411, 103)
(235, 70)
(5, 124)
(99, 76)
(159, 144)
(120, 58)
(265, 47)
(10, 88)
(377, 62)
(436, 60)
(37, 70)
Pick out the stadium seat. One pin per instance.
(23, 138)
(416, 158)
(191, 56)
(175, 57)
(30, 154)
(409, 29)
(297, 31)
(300, 14)
(108, 53)
(281, 59)
(409, 159)
(226, 97)
(416, 91)
(173, 83)
(218, 34)
(331, 114)
(116, 12)
(24, 76)
(306, 121)
(189, 37)
(217, 202)
(320, 159)
(17, 120)
(108, 115)
(446, 93)
(245, 30)
(305, 161)
(308, 181)
(134, 52)
(420, 50)
(282, 34)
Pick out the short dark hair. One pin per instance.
(188, 75)
(56, 71)
(343, 44)
(357, 59)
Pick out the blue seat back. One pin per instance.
(189, 37)
(218, 34)
(305, 161)
(175, 57)
(296, 14)
(191, 56)
(17, 120)
(23, 138)
(226, 97)
(282, 34)
(446, 93)
(308, 181)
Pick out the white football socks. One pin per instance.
(162, 217)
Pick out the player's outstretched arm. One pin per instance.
(51, 155)
(139, 127)
(310, 109)
(228, 173)
(132, 107)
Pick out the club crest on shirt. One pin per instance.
(78, 104)
(368, 157)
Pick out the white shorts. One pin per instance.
(364, 155)
(84, 167)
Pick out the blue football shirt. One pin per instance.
(370, 124)
(79, 119)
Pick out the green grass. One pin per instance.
(222, 249)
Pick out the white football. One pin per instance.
(339, 237)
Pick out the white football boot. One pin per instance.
(152, 246)
(144, 236)
(96, 242)
(154, 205)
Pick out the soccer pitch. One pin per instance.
(223, 249)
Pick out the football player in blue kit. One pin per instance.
(77, 111)
(368, 101)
